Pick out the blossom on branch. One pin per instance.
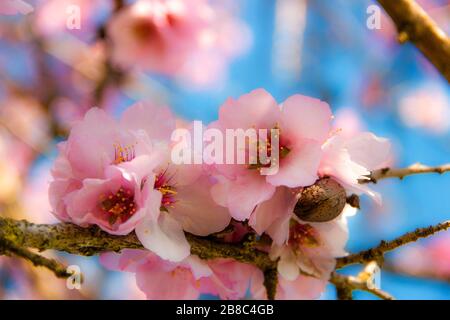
(161, 279)
(121, 176)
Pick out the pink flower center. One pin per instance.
(163, 184)
(123, 154)
(145, 29)
(119, 206)
(302, 235)
(267, 146)
(173, 20)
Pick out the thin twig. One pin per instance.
(7, 248)
(400, 173)
(377, 253)
(413, 24)
(364, 281)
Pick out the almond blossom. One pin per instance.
(117, 176)
(426, 107)
(304, 124)
(351, 159)
(157, 35)
(306, 250)
(302, 288)
(160, 279)
(312, 247)
(120, 176)
(429, 258)
(103, 174)
(186, 205)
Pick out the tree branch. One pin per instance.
(7, 248)
(73, 239)
(91, 241)
(377, 253)
(400, 173)
(413, 24)
(363, 281)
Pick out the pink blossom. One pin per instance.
(104, 173)
(186, 206)
(161, 279)
(13, 7)
(304, 125)
(157, 35)
(311, 248)
(225, 38)
(350, 159)
(428, 108)
(192, 40)
(117, 175)
(303, 288)
(306, 257)
(348, 122)
(432, 258)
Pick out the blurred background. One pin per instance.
(51, 74)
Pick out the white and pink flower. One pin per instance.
(156, 34)
(161, 279)
(104, 172)
(351, 159)
(304, 124)
(116, 175)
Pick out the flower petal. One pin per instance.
(300, 166)
(164, 236)
(281, 205)
(196, 210)
(368, 150)
(306, 118)
(157, 121)
(256, 109)
(242, 195)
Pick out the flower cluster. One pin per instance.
(119, 175)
